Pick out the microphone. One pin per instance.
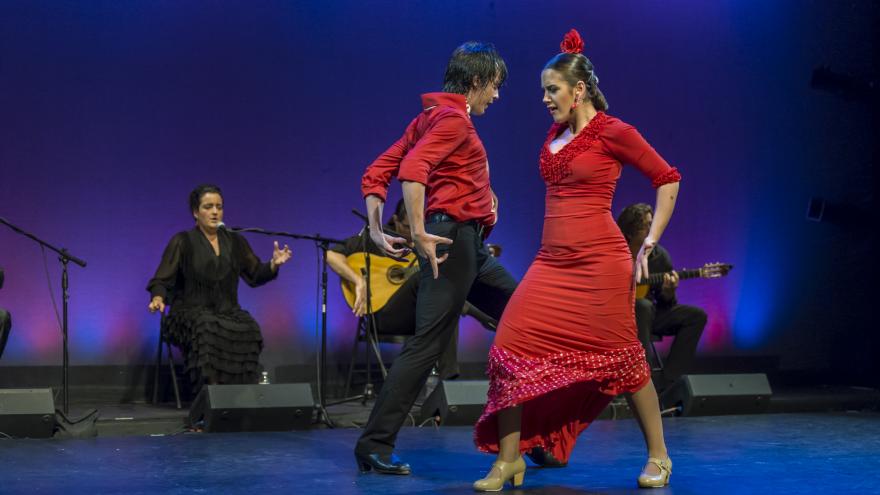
(223, 226)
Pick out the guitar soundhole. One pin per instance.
(396, 275)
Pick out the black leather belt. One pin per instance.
(443, 217)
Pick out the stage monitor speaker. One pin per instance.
(227, 408)
(27, 412)
(458, 402)
(710, 395)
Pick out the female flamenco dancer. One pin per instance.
(199, 272)
(567, 342)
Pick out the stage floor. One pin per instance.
(769, 453)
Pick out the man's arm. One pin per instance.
(377, 177)
(374, 187)
(383, 241)
(339, 264)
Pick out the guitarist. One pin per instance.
(659, 313)
(398, 315)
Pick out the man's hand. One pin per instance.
(670, 281)
(426, 245)
(360, 298)
(386, 243)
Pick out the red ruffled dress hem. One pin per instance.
(561, 393)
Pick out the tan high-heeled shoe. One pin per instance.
(656, 480)
(514, 472)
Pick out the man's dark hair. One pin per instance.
(195, 197)
(400, 209)
(632, 218)
(473, 60)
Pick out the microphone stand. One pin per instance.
(323, 243)
(64, 257)
(369, 322)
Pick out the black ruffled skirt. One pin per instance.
(220, 348)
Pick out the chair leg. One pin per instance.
(657, 358)
(372, 341)
(173, 376)
(156, 371)
(354, 349)
(368, 363)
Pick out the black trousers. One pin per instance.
(398, 317)
(470, 273)
(685, 323)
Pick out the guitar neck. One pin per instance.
(657, 278)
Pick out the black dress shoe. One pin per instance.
(544, 459)
(381, 463)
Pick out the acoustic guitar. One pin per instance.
(709, 270)
(387, 275)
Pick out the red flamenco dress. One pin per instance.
(567, 343)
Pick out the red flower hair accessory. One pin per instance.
(572, 42)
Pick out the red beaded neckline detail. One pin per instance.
(556, 167)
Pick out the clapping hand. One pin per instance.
(157, 304)
(280, 256)
(386, 243)
(427, 246)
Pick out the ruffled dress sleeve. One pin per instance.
(628, 146)
(164, 281)
(253, 271)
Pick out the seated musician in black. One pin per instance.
(397, 316)
(198, 276)
(659, 313)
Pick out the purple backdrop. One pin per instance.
(113, 111)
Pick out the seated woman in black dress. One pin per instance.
(198, 277)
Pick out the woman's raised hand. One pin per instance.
(280, 256)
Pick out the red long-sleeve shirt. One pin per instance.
(440, 149)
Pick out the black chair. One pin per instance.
(163, 339)
(365, 335)
(656, 361)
